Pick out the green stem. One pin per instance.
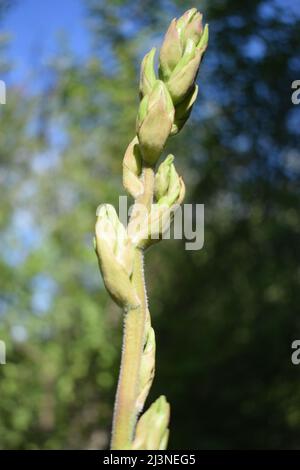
(125, 412)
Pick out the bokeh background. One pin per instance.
(225, 316)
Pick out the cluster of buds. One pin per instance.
(167, 99)
(169, 188)
(166, 103)
(169, 192)
(148, 227)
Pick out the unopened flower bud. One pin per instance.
(183, 110)
(202, 44)
(169, 192)
(162, 177)
(147, 367)
(185, 19)
(183, 77)
(171, 51)
(147, 75)
(168, 184)
(132, 169)
(152, 427)
(190, 26)
(115, 255)
(154, 122)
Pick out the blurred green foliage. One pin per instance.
(225, 316)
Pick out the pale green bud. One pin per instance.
(171, 51)
(154, 122)
(152, 427)
(184, 20)
(142, 111)
(202, 44)
(115, 256)
(168, 185)
(132, 169)
(187, 29)
(164, 440)
(147, 368)
(182, 80)
(181, 53)
(161, 217)
(162, 177)
(160, 95)
(147, 75)
(188, 55)
(106, 226)
(181, 195)
(183, 110)
(112, 231)
(173, 191)
(148, 228)
(190, 26)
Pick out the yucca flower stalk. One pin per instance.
(167, 98)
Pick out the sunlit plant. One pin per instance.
(166, 101)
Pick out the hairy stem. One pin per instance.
(125, 412)
(147, 196)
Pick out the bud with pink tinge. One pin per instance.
(154, 122)
(180, 56)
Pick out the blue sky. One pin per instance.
(34, 27)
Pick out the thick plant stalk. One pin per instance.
(125, 413)
(166, 103)
(126, 405)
